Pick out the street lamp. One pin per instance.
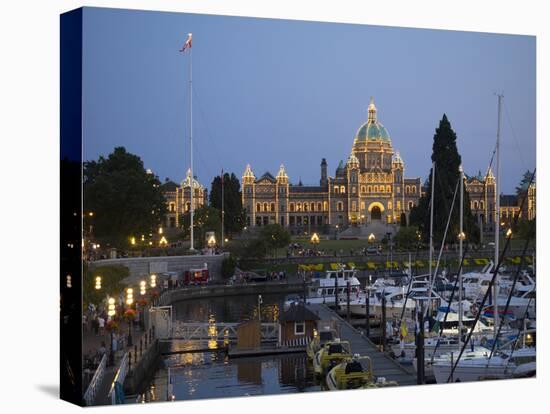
(142, 287)
(129, 302)
(163, 242)
(372, 238)
(211, 241)
(315, 240)
(111, 311)
(509, 233)
(153, 281)
(260, 301)
(98, 282)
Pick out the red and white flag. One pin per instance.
(188, 43)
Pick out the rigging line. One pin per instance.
(208, 135)
(450, 301)
(489, 287)
(519, 330)
(509, 118)
(516, 276)
(432, 281)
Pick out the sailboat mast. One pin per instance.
(431, 229)
(460, 241)
(191, 181)
(497, 217)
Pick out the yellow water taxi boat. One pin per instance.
(318, 341)
(332, 353)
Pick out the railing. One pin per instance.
(217, 331)
(91, 391)
(119, 377)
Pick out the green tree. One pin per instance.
(406, 238)
(125, 199)
(275, 236)
(205, 219)
(523, 186)
(111, 283)
(447, 161)
(234, 217)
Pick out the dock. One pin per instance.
(384, 365)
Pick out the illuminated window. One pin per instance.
(388, 189)
(363, 189)
(375, 188)
(413, 189)
(353, 206)
(342, 189)
(362, 205)
(272, 207)
(369, 189)
(305, 207)
(265, 207)
(398, 205)
(390, 206)
(325, 205)
(298, 206)
(382, 189)
(258, 207)
(340, 206)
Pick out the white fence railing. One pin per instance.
(217, 331)
(95, 383)
(119, 378)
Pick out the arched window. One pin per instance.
(375, 188)
(342, 189)
(414, 189)
(340, 206)
(411, 205)
(298, 206)
(407, 189)
(305, 207)
(292, 207)
(312, 206)
(354, 206)
(363, 189)
(398, 205)
(382, 188)
(476, 206)
(265, 207)
(369, 189)
(319, 207)
(388, 189)
(481, 204)
(336, 189)
(362, 205)
(390, 206)
(325, 205)
(187, 206)
(272, 207)
(258, 207)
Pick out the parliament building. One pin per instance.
(369, 188)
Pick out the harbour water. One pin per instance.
(197, 375)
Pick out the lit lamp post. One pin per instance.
(153, 281)
(315, 240)
(129, 302)
(372, 238)
(111, 311)
(98, 282)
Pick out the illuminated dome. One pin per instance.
(372, 129)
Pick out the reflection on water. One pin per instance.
(198, 375)
(229, 309)
(212, 375)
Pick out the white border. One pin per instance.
(29, 206)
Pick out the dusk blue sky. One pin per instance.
(268, 92)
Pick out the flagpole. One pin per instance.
(192, 209)
(223, 213)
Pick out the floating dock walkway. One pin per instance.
(383, 365)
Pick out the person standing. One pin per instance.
(101, 325)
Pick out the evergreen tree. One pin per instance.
(234, 217)
(125, 199)
(447, 161)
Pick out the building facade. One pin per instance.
(178, 199)
(370, 187)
